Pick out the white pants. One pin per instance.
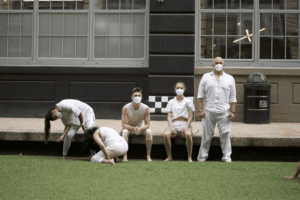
(89, 118)
(68, 139)
(208, 127)
(114, 150)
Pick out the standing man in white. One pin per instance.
(217, 102)
(136, 120)
(73, 114)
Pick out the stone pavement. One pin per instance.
(247, 135)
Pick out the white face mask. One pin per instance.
(59, 115)
(179, 91)
(137, 99)
(218, 67)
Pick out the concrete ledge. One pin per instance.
(242, 135)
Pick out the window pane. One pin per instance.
(15, 4)
(292, 24)
(126, 4)
(206, 4)
(43, 47)
(112, 4)
(292, 48)
(138, 24)
(56, 24)
(26, 46)
(113, 47)
(82, 24)
(265, 23)
(206, 47)
(69, 24)
(70, 5)
(81, 47)
(265, 4)
(246, 49)
(138, 47)
(100, 24)
(100, 45)
(278, 4)
(220, 24)
(233, 24)
(126, 24)
(4, 24)
(56, 5)
(233, 4)
(56, 47)
(44, 24)
(14, 24)
(69, 47)
(278, 24)
(293, 5)
(246, 25)
(3, 46)
(44, 5)
(219, 47)
(113, 24)
(139, 4)
(233, 47)
(206, 23)
(13, 46)
(28, 5)
(265, 48)
(100, 4)
(3, 5)
(126, 47)
(278, 48)
(247, 4)
(219, 4)
(26, 24)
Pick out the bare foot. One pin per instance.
(63, 158)
(149, 159)
(190, 160)
(201, 160)
(125, 159)
(169, 159)
(229, 161)
(111, 161)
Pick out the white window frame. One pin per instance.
(256, 62)
(80, 62)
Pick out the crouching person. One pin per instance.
(112, 145)
(136, 120)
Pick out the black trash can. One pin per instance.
(257, 91)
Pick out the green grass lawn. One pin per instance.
(31, 177)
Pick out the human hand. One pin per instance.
(201, 114)
(231, 116)
(137, 130)
(173, 130)
(60, 139)
(184, 129)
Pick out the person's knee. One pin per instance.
(188, 134)
(167, 134)
(149, 134)
(125, 134)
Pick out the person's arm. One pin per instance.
(125, 119)
(67, 128)
(100, 143)
(169, 119)
(81, 121)
(147, 120)
(190, 119)
(201, 107)
(232, 100)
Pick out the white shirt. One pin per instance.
(110, 136)
(71, 109)
(180, 109)
(219, 94)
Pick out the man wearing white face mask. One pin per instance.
(217, 102)
(73, 114)
(136, 120)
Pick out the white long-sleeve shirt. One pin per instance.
(217, 94)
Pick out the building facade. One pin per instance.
(97, 51)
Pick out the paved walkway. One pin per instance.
(268, 135)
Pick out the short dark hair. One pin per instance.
(89, 139)
(136, 89)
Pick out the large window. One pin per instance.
(74, 32)
(248, 31)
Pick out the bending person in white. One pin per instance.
(136, 120)
(180, 115)
(111, 143)
(218, 94)
(73, 114)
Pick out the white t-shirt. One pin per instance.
(110, 136)
(180, 109)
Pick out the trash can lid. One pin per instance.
(257, 77)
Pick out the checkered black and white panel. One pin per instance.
(158, 104)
